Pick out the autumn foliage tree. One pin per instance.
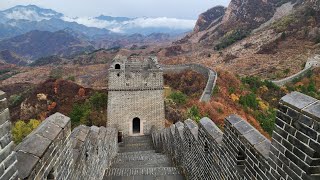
(21, 129)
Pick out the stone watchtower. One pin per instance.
(135, 95)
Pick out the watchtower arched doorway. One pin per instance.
(117, 66)
(136, 125)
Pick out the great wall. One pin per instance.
(197, 151)
(185, 150)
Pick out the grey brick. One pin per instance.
(284, 117)
(34, 144)
(1, 169)
(281, 132)
(287, 144)
(303, 147)
(284, 159)
(9, 160)
(290, 129)
(299, 153)
(9, 173)
(4, 116)
(243, 127)
(306, 130)
(5, 128)
(296, 160)
(279, 122)
(26, 163)
(5, 140)
(302, 137)
(4, 153)
(3, 104)
(314, 111)
(297, 100)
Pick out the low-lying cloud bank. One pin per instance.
(120, 27)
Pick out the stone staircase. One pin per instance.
(137, 160)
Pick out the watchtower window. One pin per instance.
(118, 74)
(117, 66)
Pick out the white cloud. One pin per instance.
(26, 15)
(172, 23)
(161, 22)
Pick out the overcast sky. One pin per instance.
(184, 9)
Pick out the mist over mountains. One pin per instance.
(22, 19)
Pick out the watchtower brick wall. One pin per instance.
(203, 151)
(8, 161)
(135, 90)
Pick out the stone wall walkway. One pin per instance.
(137, 160)
(210, 74)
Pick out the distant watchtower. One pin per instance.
(135, 95)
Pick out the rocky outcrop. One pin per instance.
(243, 15)
(247, 14)
(207, 18)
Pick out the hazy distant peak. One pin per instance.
(30, 13)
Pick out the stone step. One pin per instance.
(142, 164)
(143, 146)
(155, 171)
(145, 177)
(124, 157)
(137, 153)
(134, 139)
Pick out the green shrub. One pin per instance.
(215, 90)
(15, 100)
(231, 38)
(80, 114)
(99, 101)
(71, 78)
(266, 120)
(194, 113)
(56, 73)
(283, 24)
(249, 100)
(231, 90)
(178, 97)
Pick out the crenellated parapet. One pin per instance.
(203, 151)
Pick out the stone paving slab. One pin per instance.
(146, 177)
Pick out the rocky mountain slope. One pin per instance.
(270, 39)
(36, 44)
